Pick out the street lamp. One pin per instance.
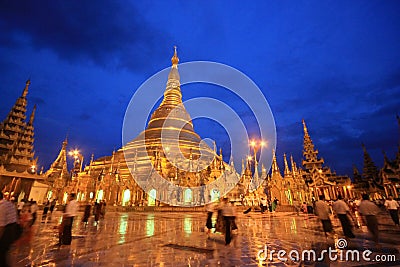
(78, 159)
(257, 145)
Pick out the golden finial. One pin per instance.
(25, 92)
(175, 58)
(304, 126)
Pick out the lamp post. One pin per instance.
(78, 159)
(256, 145)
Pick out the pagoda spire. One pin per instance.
(25, 91)
(32, 117)
(172, 94)
(287, 171)
(59, 168)
(370, 171)
(310, 154)
(275, 167)
(293, 164)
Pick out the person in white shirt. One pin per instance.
(343, 212)
(229, 213)
(71, 210)
(370, 210)
(264, 204)
(323, 211)
(393, 207)
(8, 228)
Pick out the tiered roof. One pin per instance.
(17, 137)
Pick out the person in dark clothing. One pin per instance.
(96, 212)
(228, 213)
(210, 208)
(86, 213)
(52, 206)
(70, 212)
(45, 210)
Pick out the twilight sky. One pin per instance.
(334, 63)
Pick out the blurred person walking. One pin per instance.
(34, 209)
(45, 210)
(86, 213)
(8, 229)
(323, 211)
(393, 207)
(368, 209)
(228, 213)
(25, 221)
(210, 208)
(70, 212)
(343, 212)
(52, 206)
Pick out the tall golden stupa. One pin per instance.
(168, 163)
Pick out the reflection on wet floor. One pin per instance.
(123, 225)
(150, 225)
(178, 239)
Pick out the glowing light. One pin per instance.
(126, 198)
(188, 196)
(150, 225)
(152, 197)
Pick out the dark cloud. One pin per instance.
(37, 101)
(107, 33)
(85, 116)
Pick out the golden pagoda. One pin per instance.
(168, 163)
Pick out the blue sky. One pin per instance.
(334, 63)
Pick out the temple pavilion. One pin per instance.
(18, 165)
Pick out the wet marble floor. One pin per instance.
(178, 239)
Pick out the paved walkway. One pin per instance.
(178, 239)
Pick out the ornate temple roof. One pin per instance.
(17, 136)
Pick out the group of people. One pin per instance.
(225, 223)
(270, 206)
(99, 211)
(17, 221)
(365, 207)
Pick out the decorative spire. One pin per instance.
(172, 94)
(310, 154)
(305, 127)
(175, 59)
(32, 115)
(25, 92)
(370, 171)
(287, 171)
(293, 164)
(275, 167)
(65, 142)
